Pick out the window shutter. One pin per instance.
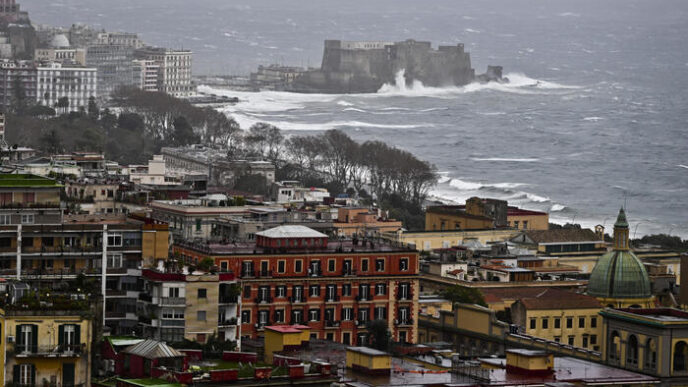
(33, 375)
(77, 334)
(15, 372)
(61, 335)
(18, 337)
(34, 338)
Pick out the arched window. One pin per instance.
(650, 354)
(680, 357)
(614, 346)
(632, 351)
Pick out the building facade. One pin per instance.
(177, 306)
(55, 81)
(174, 77)
(114, 65)
(294, 275)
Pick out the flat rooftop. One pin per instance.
(11, 180)
(333, 246)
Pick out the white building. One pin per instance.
(154, 174)
(146, 74)
(119, 39)
(174, 77)
(55, 81)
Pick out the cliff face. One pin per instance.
(363, 67)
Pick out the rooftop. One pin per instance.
(333, 247)
(368, 351)
(291, 232)
(151, 349)
(26, 180)
(562, 236)
(654, 316)
(550, 298)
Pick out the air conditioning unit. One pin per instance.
(10, 339)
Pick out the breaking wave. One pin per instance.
(504, 159)
(518, 84)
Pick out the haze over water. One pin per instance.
(597, 110)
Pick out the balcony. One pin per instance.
(404, 322)
(296, 300)
(172, 323)
(115, 293)
(172, 301)
(229, 299)
(263, 300)
(348, 272)
(248, 274)
(334, 298)
(264, 274)
(64, 350)
(332, 324)
(403, 297)
(314, 272)
(227, 322)
(145, 297)
(364, 298)
(361, 323)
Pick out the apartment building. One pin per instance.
(145, 74)
(61, 55)
(48, 346)
(114, 65)
(174, 77)
(14, 74)
(55, 81)
(176, 306)
(41, 246)
(295, 275)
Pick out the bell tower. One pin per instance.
(621, 241)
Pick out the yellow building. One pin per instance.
(47, 347)
(619, 279)
(368, 360)
(444, 218)
(284, 338)
(431, 240)
(560, 316)
(361, 221)
(527, 219)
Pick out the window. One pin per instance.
(585, 341)
(545, 323)
(571, 339)
(281, 291)
(363, 291)
(281, 266)
(364, 265)
(593, 339)
(331, 292)
(593, 323)
(380, 289)
(331, 265)
(314, 315)
(26, 374)
(29, 197)
(403, 293)
(296, 316)
(224, 266)
(202, 293)
(114, 240)
(346, 290)
(297, 293)
(347, 314)
(515, 223)
(557, 323)
(173, 292)
(198, 224)
(403, 264)
(557, 339)
(245, 316)
(247, 291)
(379, 265)
(363, 315)
(533, 323)
(314, 290)
(569, 322)
(525, 224)
(298, 266)
(114, 260)
(381, 313)
(581, 322)
(5, 219)
(263, 317)
(200, 315)
(27, 219)
(279, 315)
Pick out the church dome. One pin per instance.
(59, 41)
(619, 274)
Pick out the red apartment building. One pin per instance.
(296, 275)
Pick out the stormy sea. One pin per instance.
(595, 115)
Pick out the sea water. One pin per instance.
(595, 116)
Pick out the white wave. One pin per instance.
(536, 198)
(344, 103)
(506, 185)
(593, 119)
(557, 208)
(473, 186)
(569, 14)
(352, 109)
(443, 178)
(465, 185)
(472, 31)
(246, 121)
(682, 166)
(515, 160)
(518, 84)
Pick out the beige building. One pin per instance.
(174, 76)
(363, 221)
(431, 240)
(95, 196)
(560, 316)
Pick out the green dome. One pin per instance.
(619, 274)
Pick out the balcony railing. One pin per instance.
(172, 301)
(365, 297)
(332, 323)
(294, 299)
(229, 299)
(227, 322)
(263, 300)
(172, 323)
(333, 298)
(408, 321)
(348, 272)
(64, 350)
